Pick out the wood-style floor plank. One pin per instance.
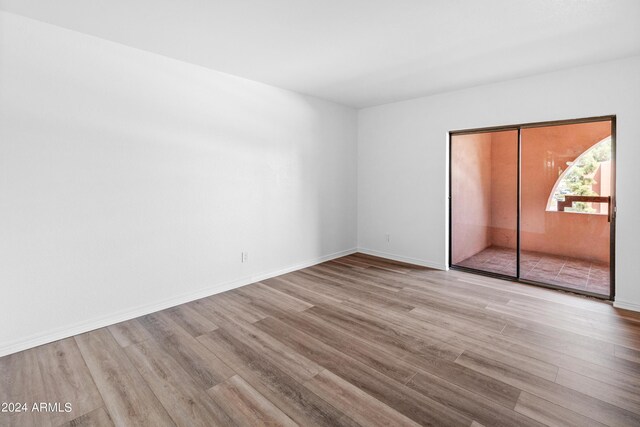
(551, 414)
(190, 320)
(363, 408)
(547, 323)
(618, 396)
(395, 394)
(357, 289)
(202, 366)
(473, 405)
(67, 379)
(301, 290)
(350, 345)
(21, 383)
(96, 418)
(568, 398)
(183, 398)
(246, 406)
(302, 405)
(355, 341)
(271, 296)
(129, 332)
(627, 353)
(419, 354)
(126, 395)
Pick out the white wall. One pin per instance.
(130, 182)
(402, 151)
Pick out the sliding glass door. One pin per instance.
(565, 233)
(536, 203)
(484, 194)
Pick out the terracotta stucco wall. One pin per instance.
(471, 194)
(504, 188)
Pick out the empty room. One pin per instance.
(319, 213)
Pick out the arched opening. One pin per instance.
(588, 175)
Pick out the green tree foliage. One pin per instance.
(579, 181)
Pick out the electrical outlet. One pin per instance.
(245, 257)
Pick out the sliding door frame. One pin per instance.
(612, 207)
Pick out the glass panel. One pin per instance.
(484, 172)
(566, 180)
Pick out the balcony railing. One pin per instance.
(568, 202)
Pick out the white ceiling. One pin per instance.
(361, 52)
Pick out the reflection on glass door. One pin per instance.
(566, 188)
(484, 173)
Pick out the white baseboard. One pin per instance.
(626, 305)
(400, 258)
(90, 325)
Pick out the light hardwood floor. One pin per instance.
(354, 341)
